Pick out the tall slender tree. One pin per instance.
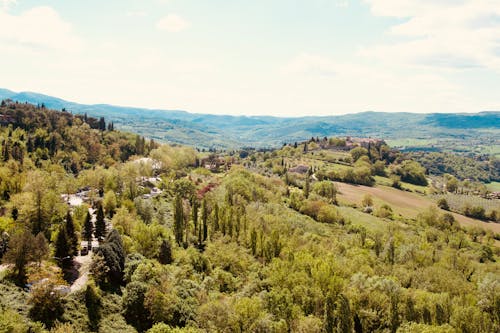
(100, 224)
(194, 214)
(204, 218)
(88, 230)
(63, 253)
(71, 233)
(178, 220)
(165, 255)
(216, 217)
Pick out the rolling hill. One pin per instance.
(477, 132)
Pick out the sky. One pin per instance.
(258, 57)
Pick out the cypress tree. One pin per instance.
(344, 320)
(165, 256)
(229, 222)
(178, 220)
(100, 224)
(194, 214)
(307, 187)
(204, 217)
(216, 217)
(88, 230)
(253, 241)
(71, 234)
(63, 248)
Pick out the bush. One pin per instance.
(326, 189)
(133, 306)
(329, 214)
(46, 303)
(385, 211)
(476, 212)
(443, 204)
(411, 172)
(311, 208)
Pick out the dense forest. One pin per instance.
(106, 231)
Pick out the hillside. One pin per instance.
(476, 133)
(105, 231)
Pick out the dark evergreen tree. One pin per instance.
(88, 230)
(114, 256)
(178, 220)
(216, 218)
(204, 218)
(102, 124)
(100, 224)
(71, 234)
(165, 255)
(63, 252)
(194, 214)
(307, 187)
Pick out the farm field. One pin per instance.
(403, 203)
(458, 201)
(493, 186)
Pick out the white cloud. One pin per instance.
(39, 27)
(5, 4)
(447, 34)
(172, 23)
(311, 64)
(354, 86)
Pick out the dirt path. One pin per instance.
(405, 203)
(84, 262)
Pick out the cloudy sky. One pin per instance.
(279, 57)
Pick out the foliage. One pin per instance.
(411, 172)
(253, 247)
(20, 253)
(46, 303)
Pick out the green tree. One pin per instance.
(443, 204)
(326, 189)
(88, 230)
(109, 203)
(93, 302)
(133, 306)
(63, 252)
(178, 220)
(71, 234)
(100, 224)
(165, 255)
(46, 302)
(113, 253)
(307, 187)
(204, 218)
(358, 152)
(21, 252)
(41, 248)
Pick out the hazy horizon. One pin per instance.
(264, 58)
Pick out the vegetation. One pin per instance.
(257, 242)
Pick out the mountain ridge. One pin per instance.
(232, 131)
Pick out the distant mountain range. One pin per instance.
(219, 131)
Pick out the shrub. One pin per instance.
(329, 214)
(443, 204)
(385, 211)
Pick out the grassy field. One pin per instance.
(493, 186)
(358, 218)
(384, 181)
(458, 201)
(407, 204)
(411, 142)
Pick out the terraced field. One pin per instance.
(405, 203)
